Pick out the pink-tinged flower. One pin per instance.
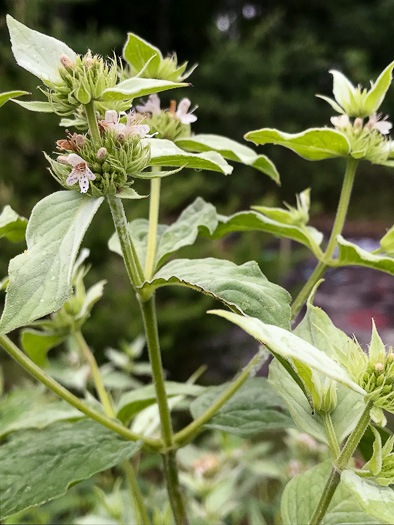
(132, 126)
(152, 105)
(376, 122)
(340, 122)
(182, 112)
(80, 172)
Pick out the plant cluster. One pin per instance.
(320, 380)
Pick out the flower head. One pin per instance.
(80, 172)
(358, 101)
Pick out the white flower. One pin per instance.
(383, 126)
(182, 112)
(340, 122)
(80, 172)
(132, 126)
(151, 106)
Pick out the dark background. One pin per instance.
(260, 65)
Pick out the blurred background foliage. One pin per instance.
(261, 64)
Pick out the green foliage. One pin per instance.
(12, 226)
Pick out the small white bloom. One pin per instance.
(182, 112)
(151, 106)
(340, 122)
(80, 172)
(132, 126)
(383, 126)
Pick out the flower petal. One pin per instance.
(73, 159)
(84, 183)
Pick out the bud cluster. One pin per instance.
(81, 81)
(110, 167)
(367, 140)
(172, 123)
(373, 372)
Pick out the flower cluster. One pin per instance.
(112, 164)
(81, 81)
(172, 123)
(373, 372)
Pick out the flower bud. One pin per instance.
(120, 136)
(63, 159)
(80, 140)
(358, 124)
(88, 61)
(379, 367)
(66, 62)
(102, 153)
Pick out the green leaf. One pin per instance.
(253, 409)
(302, 494)
(244, 288)
(130, 193)
(350, 406)
(137, 52)
(166, 153)
(36, 105)
(375, 463)
(387, 242)
(138, 87)
(376, 501)
(4, 97)
(40, 278)
(288, 345)
(312, 144)
(12, 225)
(198, 217)
(254, 221)
(38, 343)
(230, 150)
(350, 254)
(38, 53)
(39, 465)
(133, 402)
(30, 408)
(379, 88)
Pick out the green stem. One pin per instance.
(332, 438)
(92, 122)
(141, 514)
(188, 433)
(302, 297)
(153, 221)
(35, 371)
(340, 464)
(149, 315)
(136, 496)
(174, 488)
(130, 256)
(100, 388)
(340, 217)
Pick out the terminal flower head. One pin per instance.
(80, 172)
(358, 101)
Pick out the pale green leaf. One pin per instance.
(230, 150)
(30, 408)
(378, 91)
(350, 254)
(198, 217)
(40, 465)
(350, 406)
(302, 494)
(137, 52)
(38, 343)
(312, 144)
(40, 278)
(288, 345)
(36, 105)
(375, 463)
(38, 53)
(344, 91)
(130, 193)
(387, 242)
(254, 221)
(8, 95)
(138, 87)
(12, 225)
(253, 409)
(244, 288)
(133, 402)
(166, 153)
(376, 501)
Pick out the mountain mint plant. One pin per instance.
(320, 379)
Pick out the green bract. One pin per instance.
(358, 101)
(9, 95)
(146, 60)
